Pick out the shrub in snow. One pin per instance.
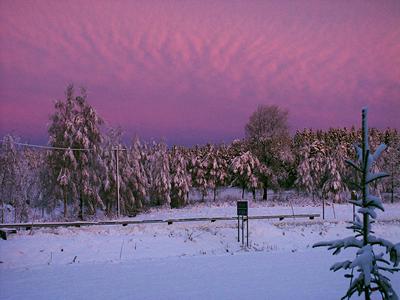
(368, 264)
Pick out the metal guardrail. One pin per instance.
(136, 222)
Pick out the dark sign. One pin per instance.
(242, 208)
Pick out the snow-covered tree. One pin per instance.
(112, 139)
(244, 168)
(135, 177)
(76, 125)
(311, 168)
(198, 167)
(180, 178)
(217, 168)
(391, 162)
(31, 163)
(368, 264)
(159, 177)
(334, 186)
(9, 173)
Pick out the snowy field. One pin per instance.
(198, 260)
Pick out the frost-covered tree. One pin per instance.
(368, 263)
(19, 178)
(9, 173)
(180, 178)
(217, 168)
(391, 162)
(136, 178)
(244, 168)
(198, 168)
(76, 125)
(112, 139)
(311, 168)
(334, 186)
(159, 176)
(31, 163)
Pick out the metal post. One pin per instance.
(242, 230)
(238, 228)
(117, 177)
(247, 220)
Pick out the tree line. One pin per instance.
(79, 172)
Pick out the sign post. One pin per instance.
(243, 214)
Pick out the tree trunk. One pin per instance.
(392, 182)
(80, 207)
(265, 193)
(2, 212)
(254, 194)
(243, 193)
(65, 203)
(80, 194)
(215, 193)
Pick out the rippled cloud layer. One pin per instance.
(193, 71)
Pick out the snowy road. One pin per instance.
(284, 275)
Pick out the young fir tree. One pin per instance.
(368, 264)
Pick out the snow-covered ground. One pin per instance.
(197, 260)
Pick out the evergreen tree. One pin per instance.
(76, 125)
(367, 263)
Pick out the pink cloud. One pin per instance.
(163, 66)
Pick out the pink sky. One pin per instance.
(193, 71)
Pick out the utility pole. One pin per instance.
(117, 178)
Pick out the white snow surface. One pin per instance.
(196, 260)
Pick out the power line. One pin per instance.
(49, 147)
(56, 148)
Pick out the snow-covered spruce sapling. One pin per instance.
(368, 264)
